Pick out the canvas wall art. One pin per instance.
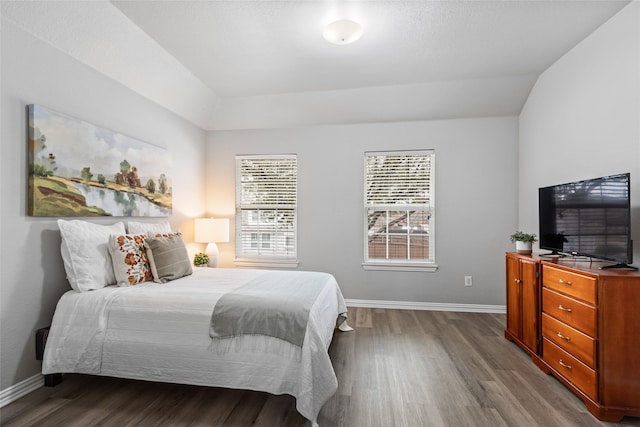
(77, 169)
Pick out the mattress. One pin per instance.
(160, 332)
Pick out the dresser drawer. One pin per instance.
(570, 311)
(576, 285)
(571, 368)
(569, 339)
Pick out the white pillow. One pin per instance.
(86, 255)
(148, 227)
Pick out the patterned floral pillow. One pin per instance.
(129, 258)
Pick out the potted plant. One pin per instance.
(201, 259)
(523, 241)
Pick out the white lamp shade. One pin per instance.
(343, 31)
(211, 230)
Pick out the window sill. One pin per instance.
(265, 263)
(379, 266)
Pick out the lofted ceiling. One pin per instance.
(259, 64)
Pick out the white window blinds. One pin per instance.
(266, 205)
(399, 207)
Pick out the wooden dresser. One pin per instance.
(523, 302)
(590, 334)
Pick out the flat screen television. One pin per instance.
(589, 218)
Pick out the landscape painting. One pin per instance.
(77, 169)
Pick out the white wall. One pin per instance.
(582, 118)
(476, 199)
(31, 272)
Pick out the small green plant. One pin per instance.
(520, 236)
(200, 259)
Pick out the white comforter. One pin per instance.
(160, 332)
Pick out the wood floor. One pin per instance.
(399, 368)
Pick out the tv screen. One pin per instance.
(589, 218)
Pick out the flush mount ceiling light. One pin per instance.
(343, 31)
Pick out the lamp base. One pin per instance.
(214, 254)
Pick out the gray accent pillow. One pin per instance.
(168, 257)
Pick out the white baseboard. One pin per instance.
(432, 306)
(16, 391)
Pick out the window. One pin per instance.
(266, 205)
(399, 210)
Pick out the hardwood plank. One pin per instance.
(398, 368)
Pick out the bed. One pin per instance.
(167, 332)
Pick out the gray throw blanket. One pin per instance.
(276, 304)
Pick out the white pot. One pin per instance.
(523, 247)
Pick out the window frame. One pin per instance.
(244, 256)
(428, 265)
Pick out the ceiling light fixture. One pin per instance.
(343, 31)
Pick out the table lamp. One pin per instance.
(212, 231)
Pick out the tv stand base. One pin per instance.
(622, 265)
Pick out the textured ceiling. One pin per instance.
(269, 47)
(252, 64)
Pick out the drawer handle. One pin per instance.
(565, 282)
(564, 364)
(565, 308)
(567, 339)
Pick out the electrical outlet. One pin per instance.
(468, 281)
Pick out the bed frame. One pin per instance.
(50, 380)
